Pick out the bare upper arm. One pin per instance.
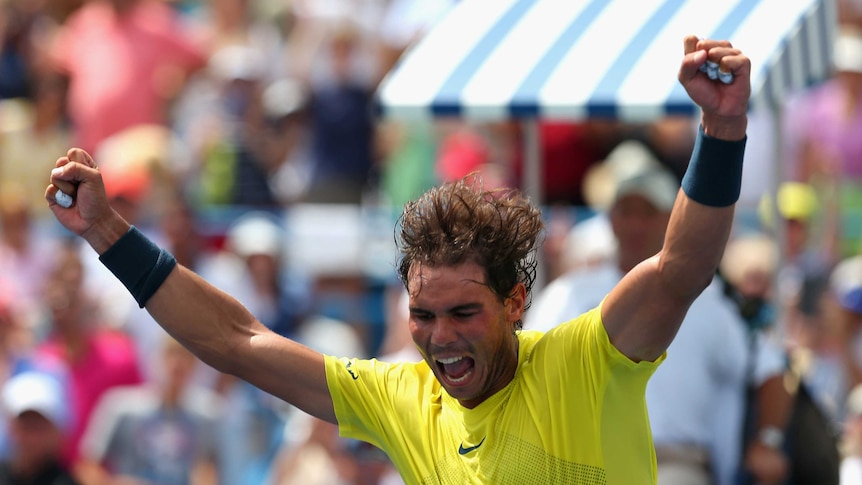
(289, 371)
(642, 313)
(224, 334)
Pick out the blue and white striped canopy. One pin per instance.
(578, 59)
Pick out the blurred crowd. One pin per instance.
(216, 122)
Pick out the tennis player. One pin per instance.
(490, 403)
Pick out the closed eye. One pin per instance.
(421, 316)
(463, 315)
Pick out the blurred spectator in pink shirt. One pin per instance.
(126, 60)
(96, 357)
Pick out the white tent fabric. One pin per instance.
(492, 60)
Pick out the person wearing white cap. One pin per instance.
(851, 440)
(695, 399)
(36, 406)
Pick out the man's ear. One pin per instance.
(515, 303)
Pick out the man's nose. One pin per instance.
(444, 332)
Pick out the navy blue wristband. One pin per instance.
(139, 264)
(714, 174)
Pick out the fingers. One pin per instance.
(690, 43)
(730, 61)
(51, 195)
(60, 180)
(717, 59)
(69, 171)
(80, 156)
(709, 44)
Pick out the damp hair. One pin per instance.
(461, 221)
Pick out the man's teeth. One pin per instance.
(450, 360)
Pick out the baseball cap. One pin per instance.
(847, 51)
(747, 254)
(256, 232)
(237, 63)
(852, 301)
(630, 168)
(36, 391)
(655, 184)
(796, 201)
(846, 283)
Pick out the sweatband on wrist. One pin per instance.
(139, 264)
(714, 174)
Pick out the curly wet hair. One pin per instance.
(461, 221)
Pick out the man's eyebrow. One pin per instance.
(457, 308)
(465, 306)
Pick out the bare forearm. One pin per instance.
(209, 322)
(701, 220)
(774, 403)
(212, 324)
(224, 334)
(660, 289)
(206, 320)
(696, 237)
(107, 231)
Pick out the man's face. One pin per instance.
(463, 330)
(639, 228)
(35, 439)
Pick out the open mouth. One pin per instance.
(456, 370)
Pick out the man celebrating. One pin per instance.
(490, 403)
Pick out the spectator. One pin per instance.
(809, 237)
(851, 440)
(159, 432)
(252, 267)
(126, 60)
(813, 377)
(222, 119)
(14, 52)
(37, 409)
(25, 256)
(821, 126)
(342, 127)
(287, 136)
(15, 344)
(844, 307)
(95, 356)
(33, 132)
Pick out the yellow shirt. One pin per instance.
(574, 413)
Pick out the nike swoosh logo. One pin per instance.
(350, 371)
(464, 451)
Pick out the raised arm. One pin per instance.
(209, 322)
(643, 313)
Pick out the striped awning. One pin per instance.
(578, 59)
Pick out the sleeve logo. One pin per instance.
(350, 371)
